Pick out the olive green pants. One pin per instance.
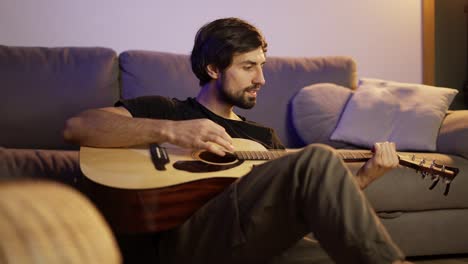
(260, 216)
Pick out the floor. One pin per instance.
(308, 251)
(460, 259)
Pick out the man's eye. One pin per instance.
(247, 68)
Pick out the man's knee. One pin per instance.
(318, 157)
(319, 150)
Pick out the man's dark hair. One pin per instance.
(217, 42)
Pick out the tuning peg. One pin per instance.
(435, 180)
(447, 188)
(422, 162)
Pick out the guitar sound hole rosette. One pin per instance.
(212, 158)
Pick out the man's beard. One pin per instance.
(241, 100)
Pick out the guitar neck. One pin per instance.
(273, 154)
(260, 155)
(418, 164)
(355, 156)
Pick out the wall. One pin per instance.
(383, 36)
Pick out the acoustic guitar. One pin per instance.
(154, 188)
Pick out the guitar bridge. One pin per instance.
(159, 156)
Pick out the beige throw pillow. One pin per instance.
(408, 114)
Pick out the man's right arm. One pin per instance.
(115, 127)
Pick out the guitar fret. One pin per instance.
(273, 155)
(278, 153)
(355, 156)
(244, 155)
(259, 155)
(254, 155)
(269, 155)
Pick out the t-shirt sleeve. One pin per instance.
(275, 140)
(157, 107)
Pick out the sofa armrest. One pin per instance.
(453, 134)
(57, 165)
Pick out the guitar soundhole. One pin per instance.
(216, 159)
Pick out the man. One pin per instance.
(266, 211)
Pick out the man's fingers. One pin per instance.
(218, 135)
(396, 159)
(378, 150)
(226, 144)
(390, 154)
(223, 136)
(385, 153)
(201, 134)
(211, 147)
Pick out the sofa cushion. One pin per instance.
(157, 73)
(42, 87)
(408, 114)
(142, 71)
(285, 77)
(316, 110)
(430, 232)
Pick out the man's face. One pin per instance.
(241, 81)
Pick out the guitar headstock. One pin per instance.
(432, 169)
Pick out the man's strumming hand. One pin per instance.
(199, 134)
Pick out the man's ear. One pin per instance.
(212, 71)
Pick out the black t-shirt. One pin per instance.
(158, 107)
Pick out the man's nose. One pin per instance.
(260, 78)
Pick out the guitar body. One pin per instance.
(137, 198)
(132, 168)
(150, 189)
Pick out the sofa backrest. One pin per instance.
(42, 87)
(167, 74)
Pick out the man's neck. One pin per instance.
(209, 97)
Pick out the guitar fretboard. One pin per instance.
(260, 155)
(428, 167)
(355, 156)
(273, 154)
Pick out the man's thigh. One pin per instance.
(248, 219)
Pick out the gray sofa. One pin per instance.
(42, 87)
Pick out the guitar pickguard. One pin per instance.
(200, 166)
